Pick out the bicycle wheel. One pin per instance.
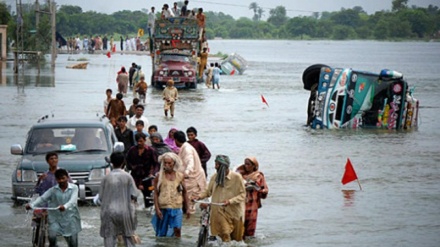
(41, 241)
(35, 230)
(203, 237)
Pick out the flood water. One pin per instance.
(307, 204)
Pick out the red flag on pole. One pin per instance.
(349, 174)
(264, 100)
(109, 55)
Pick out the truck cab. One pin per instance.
(175, 46)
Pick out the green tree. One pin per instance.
(300, 26)
(347, 17)
(341, 32)
(324, 29)
(4, 14)
(260, 13)
(277, 16)
(397, 5)
(266, 30)
(419, 20)
(244, 28)
(70, 9)
(381, 30)
(254, 7)
(399, 28)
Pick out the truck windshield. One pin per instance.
(175, 58)
(44, 140)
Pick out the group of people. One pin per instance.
(135, 78)
(175, 11)
(210, 74)
(132, 44)
(89, 44)
(170, 173)
(178, 180)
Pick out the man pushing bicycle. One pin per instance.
(227, 188)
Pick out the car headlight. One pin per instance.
(26, 176)
(161, 72)
(97, 174)
(190, 73)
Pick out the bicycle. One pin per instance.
(149, 199)
(204, 236)
(39, 226)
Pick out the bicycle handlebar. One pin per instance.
(46, 208)
(210, 203)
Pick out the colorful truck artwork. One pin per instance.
(175, 46)
(348, 98)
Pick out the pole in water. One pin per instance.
(360, 187)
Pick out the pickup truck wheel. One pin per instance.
(311, 76)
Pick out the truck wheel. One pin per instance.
(194, 84)
(311, 76)
(157, 85)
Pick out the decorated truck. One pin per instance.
(350, 98)
(175, 46)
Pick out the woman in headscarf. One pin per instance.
(256, 189)
(169, 140)
(122, 80)
(158, 144)
(169, 197)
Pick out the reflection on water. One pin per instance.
(28, 75)
(348, 197)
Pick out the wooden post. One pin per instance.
(15, 62)
(360, 187)
(37, 14)
(53, 10)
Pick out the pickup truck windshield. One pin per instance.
(42, 140)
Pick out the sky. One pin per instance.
(238, 8)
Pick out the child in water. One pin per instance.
(169, 95)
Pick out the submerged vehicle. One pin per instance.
(81, 145)
(349, 98)
(175, 47)
(233, 64)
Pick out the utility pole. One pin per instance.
(37, 22)
(53, 10)
(18, 54)
(37, 14)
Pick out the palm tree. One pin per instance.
(260, 13)
(254, 6)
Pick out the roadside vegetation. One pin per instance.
(403, 22)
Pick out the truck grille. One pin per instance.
(176, 73)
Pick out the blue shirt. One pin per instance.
(48, 182)
(68, 222)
